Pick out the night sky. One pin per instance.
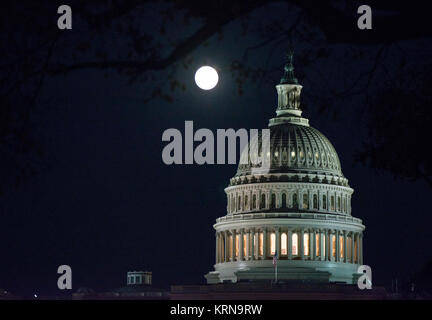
(102, 200)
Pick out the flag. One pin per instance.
(275, 257)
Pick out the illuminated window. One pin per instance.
(317, 156)
(355, 250)
(222, 251)
(315, 201)
(295, 201)
(284, 238)
(317, 245)
(273, 201)
(293, 155)
(341, 247)
(237, 245)
(283, 200)
(263, 201)
(305, 201)
(272, 243)
(324, 202)
(245, 246)
(230, 240)
(348, 249)
(254, 201)
(306, 243)
(301, 154)
(261, 242)
(332, 203)
(333, 239)
(294, 244)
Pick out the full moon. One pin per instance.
(206, 78)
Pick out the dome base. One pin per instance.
(293, 270)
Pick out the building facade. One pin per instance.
(298, 208)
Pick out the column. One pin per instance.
(247, 257)
(322, 244)
(301, 240)
(352, 247)
(264, 244)
(289, 245)
(361, 248)
(241, 245)
(337, 246)
(314, 251)
(252, 244)
(233, 233)
(278, 240)
(226, 246)
(329, 248)
(345, 246)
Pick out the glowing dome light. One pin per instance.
(206, 77)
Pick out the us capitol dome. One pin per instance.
(297, 209)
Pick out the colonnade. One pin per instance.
(289, 244)
(242, 201)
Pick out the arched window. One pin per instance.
(338, 203)
(238, 203)
(315, 201)
(305, 201)
(284, 200)
(245, 246)
(284, 250)
(324, 202)
(333, 241)
(237, 245)
(261, 242)
(245, 202)
(272, 244)
(332, 203)
(295, 201)
(223, 239)
(294, 248)
(344, 204)
(306, 243)
(273, 201)
(254, 201)
(263, 201)
(348, 248)
(355, 249)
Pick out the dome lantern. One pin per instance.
(289, 92)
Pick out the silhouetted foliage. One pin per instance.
(141, 39)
